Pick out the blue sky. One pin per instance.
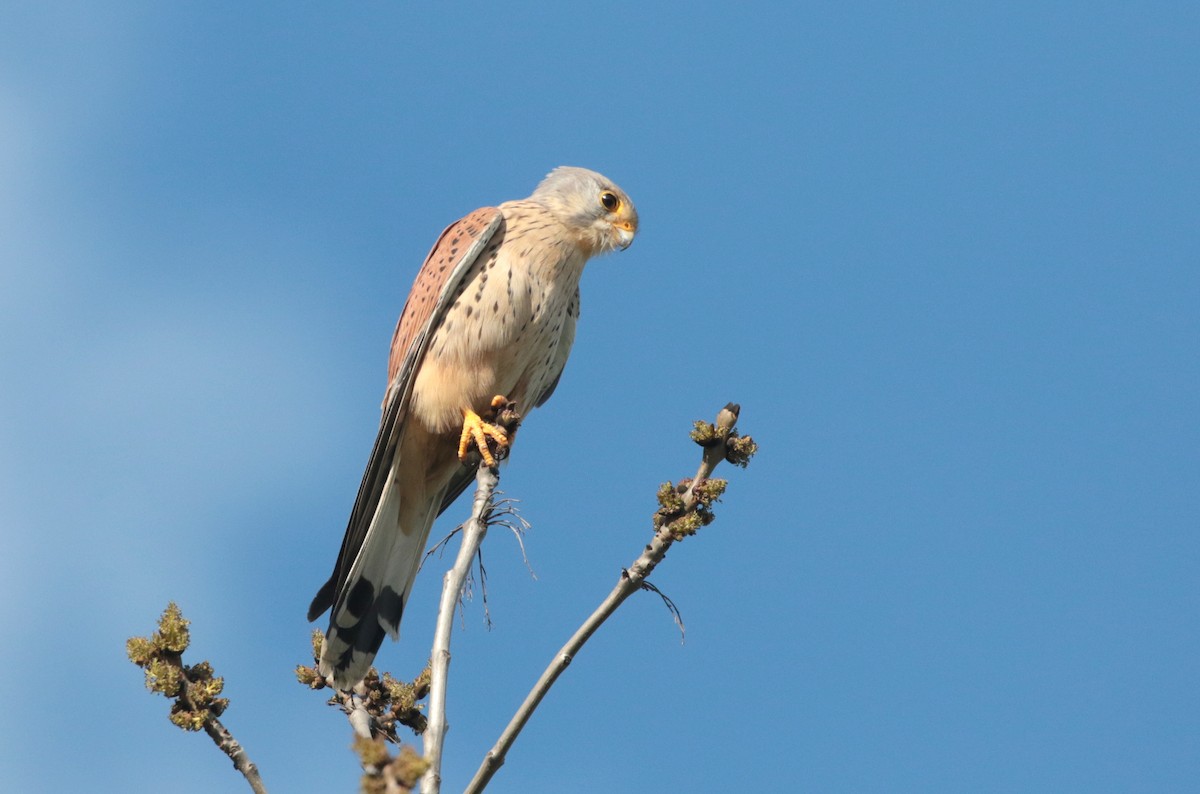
(945, 255)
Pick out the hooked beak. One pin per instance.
(625, 232)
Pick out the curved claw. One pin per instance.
(475, 430)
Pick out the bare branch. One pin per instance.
(473, 532)
(356, 713)
(232, 748)
(682, 511)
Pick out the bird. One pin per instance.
(489, 322)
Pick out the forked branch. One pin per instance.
(683, 509)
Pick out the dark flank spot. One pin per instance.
(496, 307)
(469, 310)
(442, 269)
(360, 598)
(454, 251)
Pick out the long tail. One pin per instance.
(371, 602)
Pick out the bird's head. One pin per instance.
(597, 212)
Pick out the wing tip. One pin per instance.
(322, 601)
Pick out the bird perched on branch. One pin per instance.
(489, 323)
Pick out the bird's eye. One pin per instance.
(610, 201)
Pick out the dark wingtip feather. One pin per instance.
(322, 601)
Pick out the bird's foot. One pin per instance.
(497, 428)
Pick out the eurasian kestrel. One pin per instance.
(491, 316)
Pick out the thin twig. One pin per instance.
(222, 738)
(630, 582)
(473, 533)
(671, 607)
(438, 547)
(194, 688)
(505, 514)
(232, 748)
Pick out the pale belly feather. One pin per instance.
(504, 334)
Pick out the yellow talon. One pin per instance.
(476, 430)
